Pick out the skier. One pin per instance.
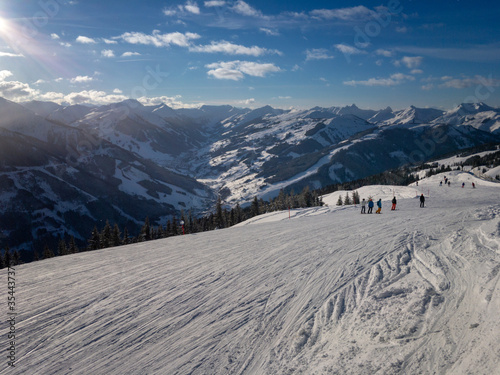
(370, 206)
(473, 185)
(394, 201)
(379, 205)
(463, 184)
(363, 208)
(422, 200)
(440, 183)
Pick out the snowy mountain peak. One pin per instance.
(471, 108)
(414, 115)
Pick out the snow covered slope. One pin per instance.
(330, 291)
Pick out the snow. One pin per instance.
(329, 291)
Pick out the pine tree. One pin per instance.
(126, 237)
(36, 257)
(47, 252)
(115, 236)
(254, 209)
(160, 233)
(175, 228)
(307, 197)
(7, 259)
(95, 240)
(146, 231)
(239, 213)
(355, 197)
(61, 247)
(339, 201)
(219, 217)
(2, 262)
(16, 258)
(347, 199)
(73, 249)
(106, 240)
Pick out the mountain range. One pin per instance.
(65, 169)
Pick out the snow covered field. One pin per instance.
(329, 291)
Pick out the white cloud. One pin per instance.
(215, 3)
(247, 101)
(108, 53)
(169, 12)
(81, 79)
(15, 90)
(417, 71)
(5, 74)
(232, 49)
(344, 14)
(9, 54)
(466, 82)
(318, 54)
(172, 101)
(192, 7)
(93, 96)
(349, 50)
(384, 52)
(109, 41)
(51, 96)
(245, 9)
(236, 70)
(117, 91)
(129, 54)
(85, 40)
(269, 31)
(54, 36)
(410, 62)
(402, 30)
(393, 80)
(160, 40)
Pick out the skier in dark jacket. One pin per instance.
(422, 200)
(394, 201)
(370, 206)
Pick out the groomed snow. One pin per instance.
(329, 291)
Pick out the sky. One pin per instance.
(287, 54)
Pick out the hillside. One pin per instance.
(328, 291)
(66, 169)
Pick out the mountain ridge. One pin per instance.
(89, 162)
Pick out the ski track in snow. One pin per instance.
(330, 291)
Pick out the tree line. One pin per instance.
(111, 235)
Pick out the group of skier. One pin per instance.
(394, 202)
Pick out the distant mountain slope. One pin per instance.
(65, 168)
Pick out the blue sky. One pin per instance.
(251, 53)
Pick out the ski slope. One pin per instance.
(329, 291)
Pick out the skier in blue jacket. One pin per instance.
(370, 206)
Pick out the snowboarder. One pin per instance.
(394, 201)
(379, 205)
(363, 206)
(422, 200)
(370, 206)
